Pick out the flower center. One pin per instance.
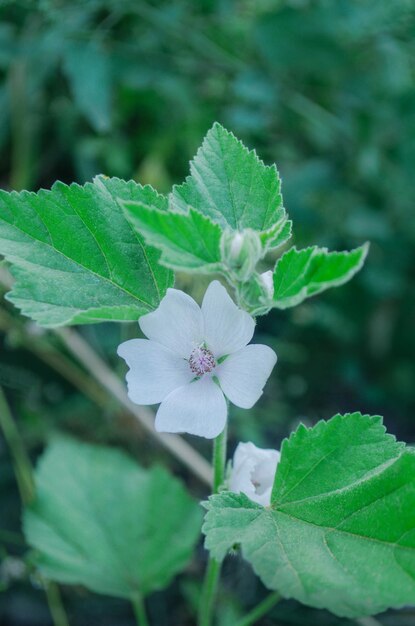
(201, 361)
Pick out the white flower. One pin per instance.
(194, 357)
(253, 472)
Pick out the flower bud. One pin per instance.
(253, 472)
(241, 252)
(266, 280)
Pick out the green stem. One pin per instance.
(21, 461)
(26, 485)
(261, 609)
(210, 583)
(219, 460)
(56, 608)
(140, 610)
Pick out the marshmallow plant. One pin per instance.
(329, 520)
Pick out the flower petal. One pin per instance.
(243, 465)
(243, 374)
(177, 323)
(198, 408)
(154, 372)
(253, 472)
(227, 328)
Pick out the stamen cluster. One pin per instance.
(201, 361)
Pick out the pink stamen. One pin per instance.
(201, 361)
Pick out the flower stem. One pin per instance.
(210, 583)
(219, 460)
(261, 609)
(55, 604)
(139, 610)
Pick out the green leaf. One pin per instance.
(300, 274)
(188, 241)
(340, 533)
(231, 185)
(87, 66)
(230, 196)
(74, 256)
(101, 521)
(277, 235)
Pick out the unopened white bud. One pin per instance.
(253, 472)
(236, 245)
(241, 252)
(267, 282)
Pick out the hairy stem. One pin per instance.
(140, 610)
(261, 609)
(25, 482)
(210, 583)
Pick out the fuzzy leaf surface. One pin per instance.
(300, 274)
(231, 185)
(74, 256)
(101, 521)
(277, 235)
(340, 532)
(187, 240)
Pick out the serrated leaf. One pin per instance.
(340, 533)
(300, 274)
(277, 235)
(187, 240)
(74, 256)
(231, 185)
(101, 521)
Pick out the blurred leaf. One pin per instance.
(75, 257)
(87, 66)
(102, 521)
(340, 532)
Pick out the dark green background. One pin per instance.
(123, 87)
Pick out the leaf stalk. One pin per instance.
(260, 610)
(140, 610)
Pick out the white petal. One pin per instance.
(243, 466)
(198, 408)
(227, 328)
(243, 375)
(177, 323)
(253, 472)
(154, 372)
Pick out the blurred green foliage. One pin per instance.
(323, 88)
